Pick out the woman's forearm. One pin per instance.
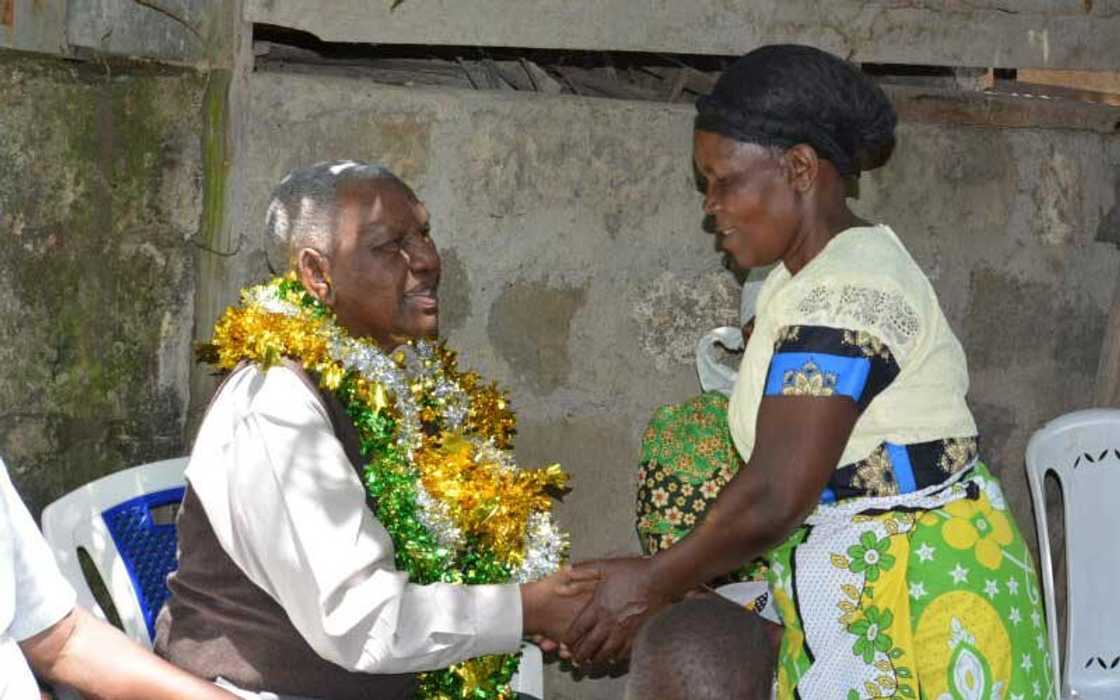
(800, 440)
(746, 520)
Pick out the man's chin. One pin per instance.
(426, 328)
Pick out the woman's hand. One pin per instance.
(627, 595)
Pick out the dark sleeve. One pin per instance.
(825, 361)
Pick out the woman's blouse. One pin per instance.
(862, 320)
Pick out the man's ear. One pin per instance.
(803, 166)
(314, 272)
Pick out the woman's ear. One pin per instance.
(803, 166)
(314, 272)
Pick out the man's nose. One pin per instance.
(422, 255)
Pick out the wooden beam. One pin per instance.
(1054, 34)
(1013, 110)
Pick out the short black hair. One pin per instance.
(786, 94)
(702, 649)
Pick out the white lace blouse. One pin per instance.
(866, 283)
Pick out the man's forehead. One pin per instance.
(382, 200)
(369, 189)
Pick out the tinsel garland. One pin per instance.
(440, 471)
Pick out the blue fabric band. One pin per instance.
(850, 373)
(903, 469)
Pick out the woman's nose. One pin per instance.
(710, 202)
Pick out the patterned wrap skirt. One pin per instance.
(931, 594)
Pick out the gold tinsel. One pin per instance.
(485, 498)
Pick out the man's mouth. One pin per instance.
(424, 297)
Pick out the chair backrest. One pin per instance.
(111, 519)
(528, 682)
(1082, 450)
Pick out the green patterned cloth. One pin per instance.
(687, 458)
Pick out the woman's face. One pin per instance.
(748, 195)
(385, 268)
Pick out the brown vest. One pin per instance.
(219, 623)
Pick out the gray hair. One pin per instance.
(304, 207)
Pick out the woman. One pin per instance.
(894, 563)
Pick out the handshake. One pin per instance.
(590, 612)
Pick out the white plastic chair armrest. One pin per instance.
(529, 678)
(1036, 478)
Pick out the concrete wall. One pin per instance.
(575, 271)
(181, 32)
(99, 198)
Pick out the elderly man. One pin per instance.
(287, 581)
(42, 630)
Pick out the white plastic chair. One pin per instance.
(111, 520)
(1082, 450)
(529, 679)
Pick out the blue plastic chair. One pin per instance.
(112, 520)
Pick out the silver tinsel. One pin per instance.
(434, 515)
(545, 547)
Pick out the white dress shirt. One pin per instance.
(287, 506)
(33, 593)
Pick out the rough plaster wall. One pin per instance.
(575, 271)
(98, 197)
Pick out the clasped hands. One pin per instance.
(591, 612)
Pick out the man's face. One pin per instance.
(384, 267)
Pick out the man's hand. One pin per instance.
(550, 604)
(625, 598)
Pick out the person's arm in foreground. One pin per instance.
(101, 662)
(800, 440)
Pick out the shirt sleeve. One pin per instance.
(289, 509)
(42, 595)
(826, 361)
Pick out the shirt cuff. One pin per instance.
(498, 619)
